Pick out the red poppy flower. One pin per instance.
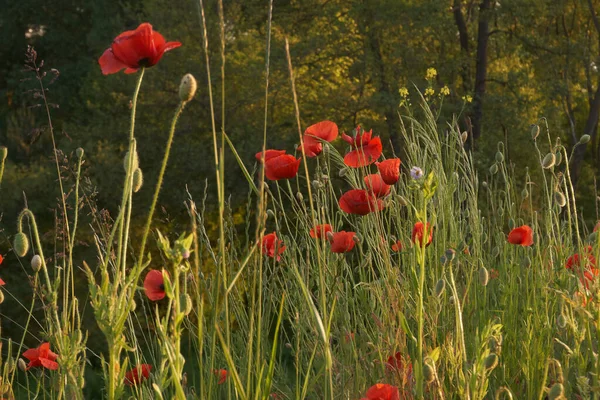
(222, 374)
(135, 49)
(417, 233)
(342, 242)
(271, 245)
(360, 202)
(597, 226)
(382, 391)
(397, 247)
(320, 230)
(284, 166)
(366, 150)
(324, 130)
(590, 270)
(1, 259)
(154, 285)
(376, 185)
(41, 357)
(269, 154)
(389, 170)
(523, 236)
(2, 283)
(138, 374)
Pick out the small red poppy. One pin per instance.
(41, 357)
(389, 170)
(324, 130)
(417, 233)
(376, 185)
(154, 285)
(135, 49)
(1, 259)
(523, 236)
(590, 270)
(137, 375)
(2, 283)
(382, 391)
(365, 150)
(360, 202)
(221, 374)
(268, 154)
(397, 247)
(342, 242)
(320, 230)
(284, 166)
(271, 246)
(597, 226)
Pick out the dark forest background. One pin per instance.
(519, 60)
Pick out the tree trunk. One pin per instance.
(590, 129)
(463, 36)
(481, 67)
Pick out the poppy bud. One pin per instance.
(329, 236)
(316, 184)
(511, 223)
(526, 262)
(561, 321)
(187, 88)
(79, 152)
(524, 193)
(270, 213)
(464, 136)
(138, 180)
(136, 162)
(593, 237)
(549, 161)
(560, 199)
(22, 365)
(584, 139)
(450, 254)
(3, 153)
(428, 372)
(342, 172)
(535, 131)
(451, 299)
(168, 284)
(133, 305)
(484, 184)
(1, 297)
(443, 260)
(493, 345)
(494, 169)
(556, 392)
(21, 244)
(495, 252)
(356, 238)
(439, 287)
(300, 196)
(402, 201)
(36, 263)
(491, 362)
(484, 276)
(558, 158)
(499, 157)
(186, 302)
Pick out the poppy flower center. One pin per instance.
(144, 62)
(161, 287)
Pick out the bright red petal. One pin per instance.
(31, 354)
(154, 285)
(326, 130)
(109, 64)
(342, 242)
(282, 167)
(2, 283)
(47, 363)
(268, 154)
(359, 202)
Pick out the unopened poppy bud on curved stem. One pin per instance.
(187, 88)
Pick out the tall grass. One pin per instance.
(470, 316)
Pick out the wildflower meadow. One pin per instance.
(359, 270)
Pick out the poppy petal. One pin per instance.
(109, 64)
(154, 285)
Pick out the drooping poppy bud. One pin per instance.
(21, 244)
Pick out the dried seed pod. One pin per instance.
(21, 244)
(464, 136)
(299, 196)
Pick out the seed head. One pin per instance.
(549, 161)
(187, 88)
(21, 244)
(36, 263)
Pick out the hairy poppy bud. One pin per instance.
(21, 244)
(136, 162)
(186, 302)
(439, 287)
(560, 198)
(316, 184)
(494, 345)
(428, 372)
(187, 88)
(464, 136)
(342, 172)
(549, 161)
(79, 152)
(300, 196)
(3, 153)
(484, 184)
(494, 169)
(450, 254)
(491, 361)
(138, 180)
(133, 305)
(36, 263)
(451, 299)
(525, 193)
(484, 276)
(356, 238)
(535, 131)
(270, 213)
(556, 392)
(329, 236)
(584, 139)
(558, 158)
(499, 157)
(22, 365)
(1, 297)
(402, 201)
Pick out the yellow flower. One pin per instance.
(429, 92)
(467, 98)
(431, 73)
(403, 92)
(445, 91)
